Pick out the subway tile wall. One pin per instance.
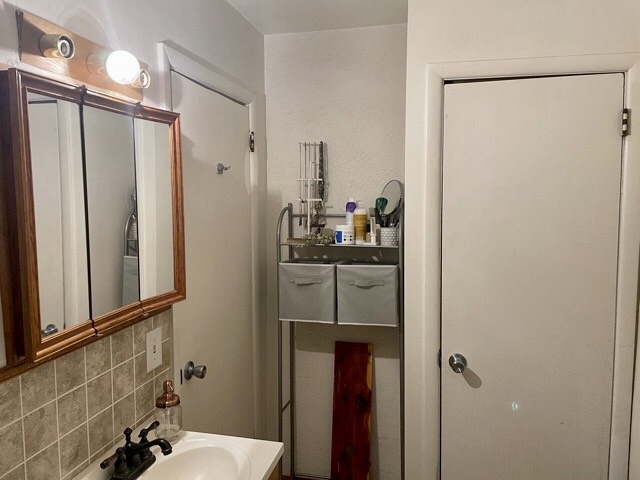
(57, 418)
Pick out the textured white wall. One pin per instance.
(344, 87)
(347, 88)
(466, 30)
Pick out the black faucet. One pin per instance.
(132, 459)
(144, 447)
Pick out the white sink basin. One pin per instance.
(204, 456)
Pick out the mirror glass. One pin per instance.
(155, 207)
(393, 191)
(57, 179)
(111, 210)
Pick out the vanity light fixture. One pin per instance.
(120, 66)
(143, 80)
(123, 67)
(50, 47)
(53, 45)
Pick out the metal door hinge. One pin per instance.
(626, 122)
(252, 142)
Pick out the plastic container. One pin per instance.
(349, 209)
(360, 223)
(344, 235)
(389, 236)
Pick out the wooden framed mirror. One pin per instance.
(151, 232)
(91, 204)
(51, 110)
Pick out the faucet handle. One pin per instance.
(145, 431)
(127, 434)
(146, 453)
(108, 461)
(121, 462)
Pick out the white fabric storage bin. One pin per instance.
(307, 290)
(368, 294)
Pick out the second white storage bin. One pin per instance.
(368, 294)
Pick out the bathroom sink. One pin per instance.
(204, 456)
(197, 457)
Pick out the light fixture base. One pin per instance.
(30, 30)
(53, 45)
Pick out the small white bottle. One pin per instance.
(349, 209)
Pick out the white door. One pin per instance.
(531, 192)
(214, 325)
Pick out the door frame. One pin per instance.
(424, 143)
(174, 57)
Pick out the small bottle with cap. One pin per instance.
(168, 413)
(350, 208)
(360, 223)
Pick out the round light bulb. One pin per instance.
(122, 67)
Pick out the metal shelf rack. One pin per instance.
(291, 403)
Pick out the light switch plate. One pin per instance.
(154, 349)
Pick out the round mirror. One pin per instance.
(393, 191)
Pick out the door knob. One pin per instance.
(192, 370)
(457, 362)
(49, 330)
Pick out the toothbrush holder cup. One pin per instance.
(389, 236)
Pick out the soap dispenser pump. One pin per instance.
(168, 413)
